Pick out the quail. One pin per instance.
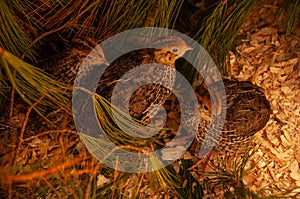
(165, 52)
(247, 111)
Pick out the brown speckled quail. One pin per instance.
(247, 111)
(167, 50)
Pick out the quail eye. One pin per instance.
(175, 50)
(205, 107)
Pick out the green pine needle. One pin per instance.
(32, 84)
(13, 38)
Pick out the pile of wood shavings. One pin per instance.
(270, 59)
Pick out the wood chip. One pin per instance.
(269, 60)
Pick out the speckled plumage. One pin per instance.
(167, 50)
(69, 61)
(247, 111)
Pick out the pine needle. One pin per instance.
(292, 11)
(219, 31)
(32, 83)
(13, 38)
